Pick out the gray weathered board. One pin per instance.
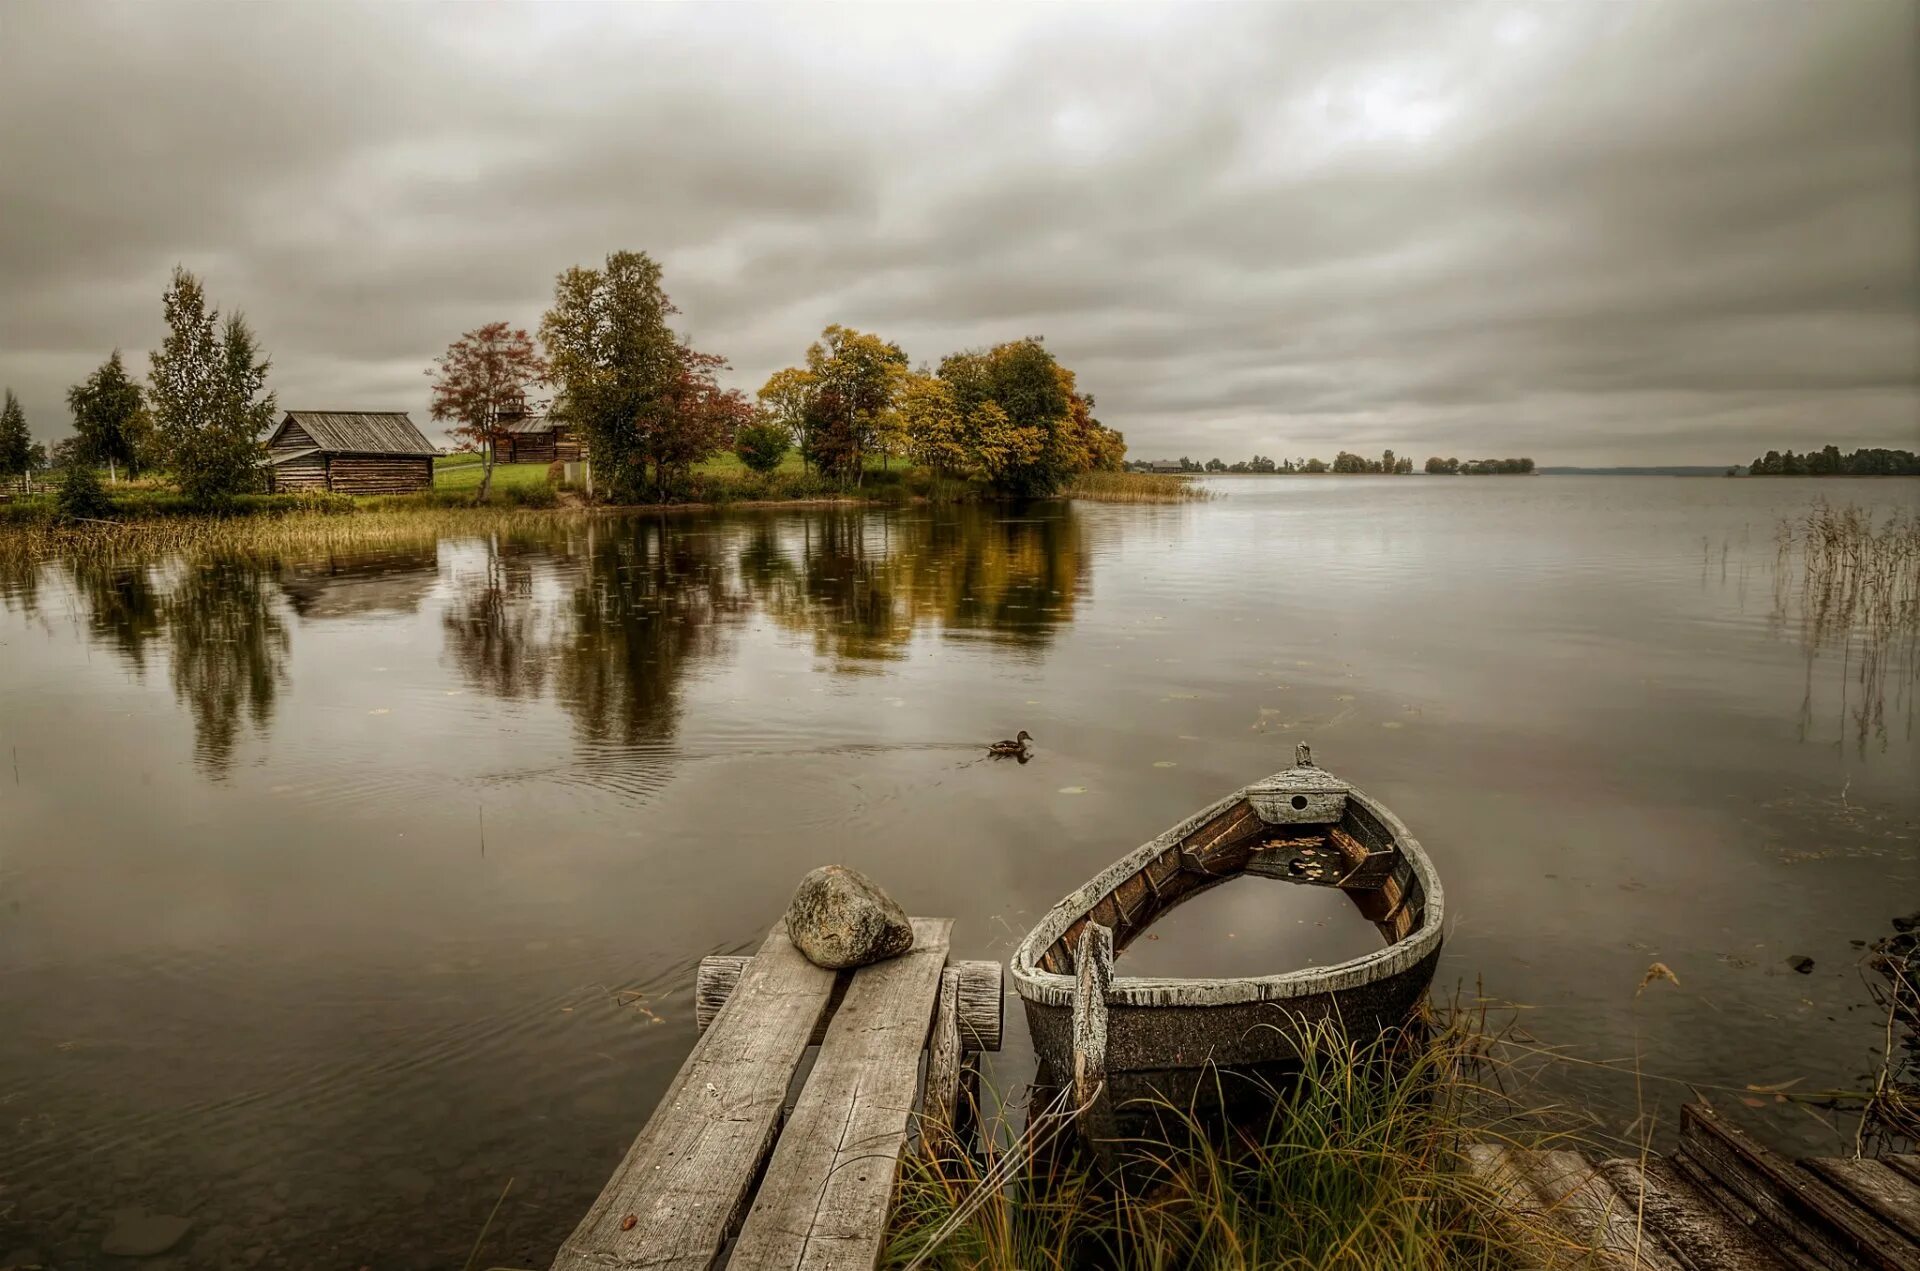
(716, 1160)
(1722, 1203)
(688, 1173)
(824, 1201)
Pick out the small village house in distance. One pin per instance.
(349, 452)
(539, 439)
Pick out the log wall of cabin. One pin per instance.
(529, 447)
(566, 445)
(379, 474)
(307, 473)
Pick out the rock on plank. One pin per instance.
(840, 918)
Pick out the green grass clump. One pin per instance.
(1357, 1168)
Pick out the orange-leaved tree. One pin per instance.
(480, 385)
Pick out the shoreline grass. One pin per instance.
(1361, 1166)
(152, 517)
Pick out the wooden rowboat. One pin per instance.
(1115, 1038)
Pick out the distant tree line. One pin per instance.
(1829, 462)
(1388, 464)
(1439, 467)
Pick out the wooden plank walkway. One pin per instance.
(715, 1173)
(1723, 1202)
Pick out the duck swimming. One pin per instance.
(1017, 746)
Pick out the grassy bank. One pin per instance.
(1358, 1167)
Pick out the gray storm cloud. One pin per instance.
(1593, 233)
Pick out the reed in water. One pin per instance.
(1846, 581)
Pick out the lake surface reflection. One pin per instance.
(338, 890)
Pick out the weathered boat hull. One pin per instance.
(1166, 1037)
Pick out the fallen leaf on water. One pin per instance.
(1393, 723)
(1658, 971)
(1776, 1087)
(1165, 763)
(1073, 789)
(1752, 1102)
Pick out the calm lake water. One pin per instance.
(337, 891)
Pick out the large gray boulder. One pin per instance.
(840, 918)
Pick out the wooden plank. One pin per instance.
(1832, 1229)
(1744, 1214)
(1700, 1234)
(940, 1105)
(1576, 1201)
(686, 1177)
(1875, 1188)
(982, 997)
(824, 1200)
(1904, 1164)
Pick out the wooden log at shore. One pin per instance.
(676, 1196)
(827, 1189)
(1703, 1236)
(981, 1004)
(1835, 1231)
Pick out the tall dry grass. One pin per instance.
(1359, 1167)
(1136, 487)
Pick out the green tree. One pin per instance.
(82, 497)
(648, 403)
(110, 418)
(761, 445)
(16, 443)
(209, 396)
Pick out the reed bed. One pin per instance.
(1847, 581)
(294, 531)
(1136, 487)
(1359, 1167)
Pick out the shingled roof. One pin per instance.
(359, 432)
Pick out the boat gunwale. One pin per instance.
(1042, 987)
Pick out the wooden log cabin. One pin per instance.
(349, 452)
(540, 439)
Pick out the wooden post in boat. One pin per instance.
(1093, 971)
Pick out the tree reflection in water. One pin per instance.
(229, 652)
(607, 615)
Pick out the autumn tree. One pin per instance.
(480, 385)
(110, 419)
(208, 390)
(1033, 444)
(783, 403)
(853, 376)
(16, 443)
(939, 435)
(650, 406)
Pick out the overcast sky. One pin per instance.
(1592, 233)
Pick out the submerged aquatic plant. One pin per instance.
(1360, 1165)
